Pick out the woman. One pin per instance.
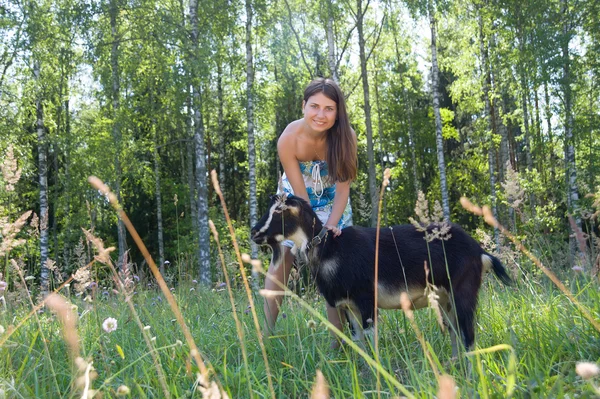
(319, 159)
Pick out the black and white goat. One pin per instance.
(344, 266)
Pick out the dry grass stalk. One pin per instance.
(384, 184)
(68, 319)
(9, 234)
(406, 305)
(515, 194)
(432, 225)
(127, 295)
(340, 334)
(98, 184)
(432, 298)
(40, 305)
(320, 389)
(238, 324)
(37, 319)
(447, 387)
(217, 188)
(10, 170)
(489, 219)
(581, 239)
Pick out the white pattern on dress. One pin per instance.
(321, 193)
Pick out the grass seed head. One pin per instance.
(587, 370)
(123, 390)
(447, 388)
(320, 389)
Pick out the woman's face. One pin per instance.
(320, 112)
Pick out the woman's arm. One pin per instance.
(342, 192)
(286, 149)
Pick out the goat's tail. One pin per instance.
(492, 263)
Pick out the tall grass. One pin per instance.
(531, 342)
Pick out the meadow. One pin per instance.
(126, 336)
(540, 334)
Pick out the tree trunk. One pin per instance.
(159, 219)
(331, 44)
(538, 145)
(201, 173)
(570, 166)
(190, 162)
(360, 13)
(491, 118)
(116, 129)
(43, 182)
(548, 116)
(380, 136)
(436, 112)
(221, 126)
(252, 200)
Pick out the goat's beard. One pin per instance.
(301, 252)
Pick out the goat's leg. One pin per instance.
(453, 328)
(277, 273)
(342, 316)
(355, 317)
(465, 312)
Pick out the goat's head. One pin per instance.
(287, 216)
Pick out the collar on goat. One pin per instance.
(318, 239)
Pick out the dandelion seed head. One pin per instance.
(123, 390)
(2, 330)
(587, 370)
(147, 328)
(109, 325)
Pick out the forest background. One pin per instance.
(497, 101)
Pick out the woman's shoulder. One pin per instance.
(290, 133)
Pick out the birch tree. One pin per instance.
(250, 124)
(200, 151)
(436, 110)
(373, 194)
(116, 128)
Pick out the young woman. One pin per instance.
(319, 159)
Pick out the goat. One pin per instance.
(343, 267)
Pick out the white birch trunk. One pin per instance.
(221, 126)
(331, 57)
(489, 115)
(250, 125)
(159, 219)
(201, 173)
(43, 182)
(436, 112)
(373, 194)
(116, 129)
(569, 145)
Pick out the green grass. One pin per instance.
(546, 332)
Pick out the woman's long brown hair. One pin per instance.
(342, 158)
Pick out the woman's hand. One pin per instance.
(336, 232)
